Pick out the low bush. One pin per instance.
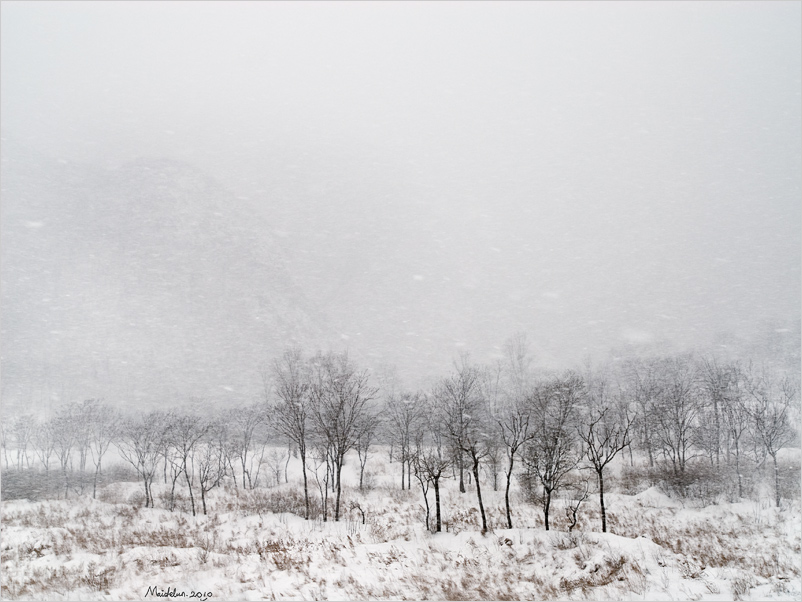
(700, 481)
(275, 501)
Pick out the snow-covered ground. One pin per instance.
(658, 548)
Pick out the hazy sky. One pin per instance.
(441, 175)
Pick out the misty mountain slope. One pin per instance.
(148, 282)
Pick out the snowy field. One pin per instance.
(247, 548)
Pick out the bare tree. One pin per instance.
(495, 454)
(425, 481)
(63, 430)
(23, 429)
(82, 429)
(174, 458)
(342, 397)
(44, 443)
(291, 416)
(642, 384)
(367, 434)
(320, 457)
(605, 431)
(676, 411)
(103, 426)
(141, 444)
(736, 418)
(430, 458)
(770, 400)
(580, 490)
(404, 415)
(513, 411)
(716, 381)
(551, 454)
(514, 427)
(244, 424)
(466, 418)
(495, 391)
(210, 458)
(275, 462)
(183, 431)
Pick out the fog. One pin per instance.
(404, 181)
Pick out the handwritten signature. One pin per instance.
(172, 592)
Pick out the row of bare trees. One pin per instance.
(84, 431)
(479, 423)
(178, 444)
(468, 422)
(701, 407)
(674, 410)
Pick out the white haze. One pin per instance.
(435, 176)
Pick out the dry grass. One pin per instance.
(251, 538)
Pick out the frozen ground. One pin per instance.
(659, 548)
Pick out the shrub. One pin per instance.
(273, 501)
(98, 579)
(633, 479)
(700, 481)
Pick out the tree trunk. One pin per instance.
(718, 429)
(189, 484)
(149, 485)
(546, 504)
(426, 501)
(776, 479)
(287, 464)
(460, 466)
(601, 500)
(338, 468)
(507, 492)
(145, 482)
(172, 494)
(325, 495)
(233, 474)
(436, 483)
(203, 499)
(306, 486)
(479, 494)
(94, 484)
